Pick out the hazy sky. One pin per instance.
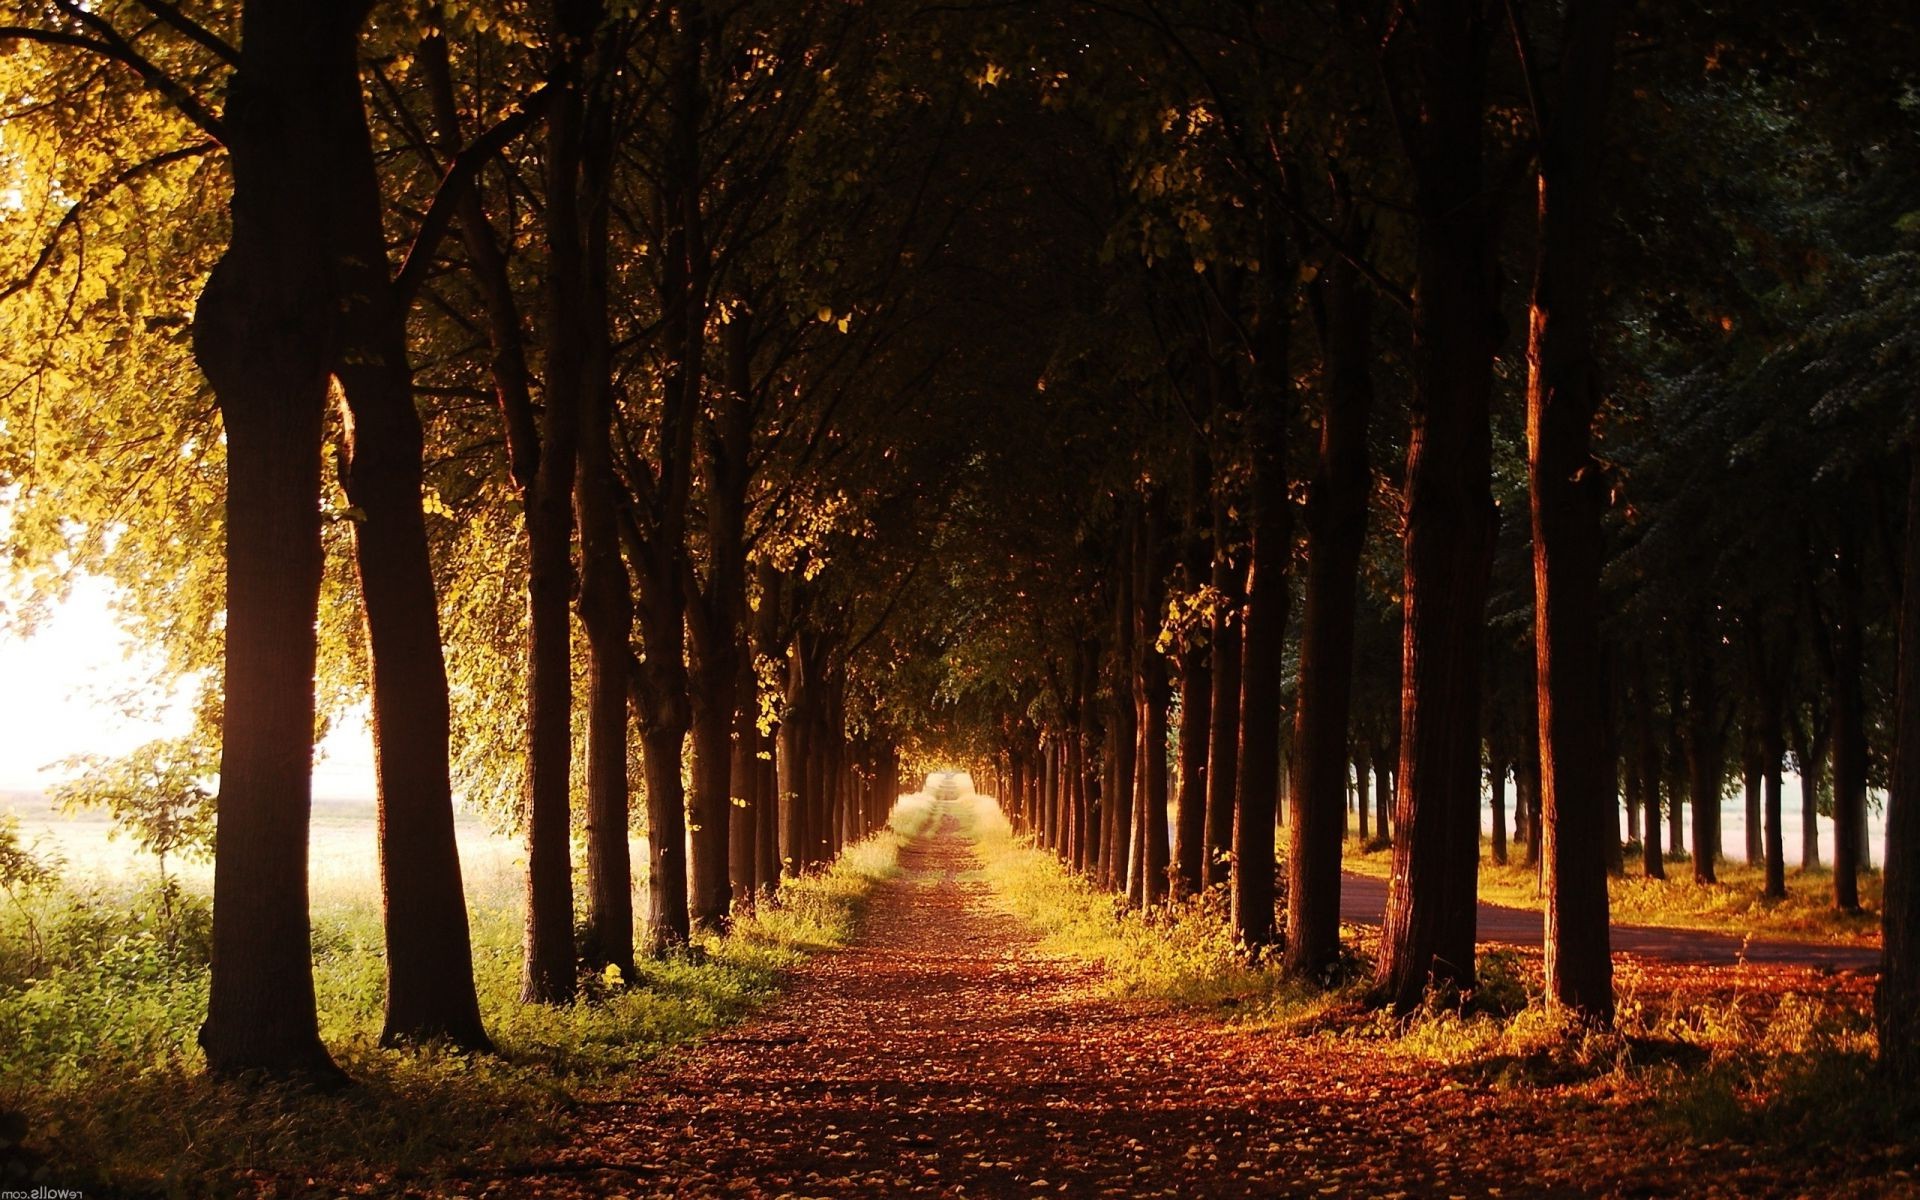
(52, 705)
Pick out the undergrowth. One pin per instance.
(97, 1031)
(1180, 954)
(1713, 1054)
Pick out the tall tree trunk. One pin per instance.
(1497, 790)
(1427, 939)
(1809, 752)
(796, 724)
(1897, 1000)
(1362, 791)
(1849, 734)
(1568, 496)
(1646, 760)
(743, 840)
(1775, 849)
(1153, 692)
(1223, 733)
(1677, 776)
(659, 549)
(1705, 762)
(1382, 794)
(1124, 735)
(1196, 702)
(264, 335)
(717, 619)
(1752, 791)
(605, 601)
(1270, 519)
(430, 993)
(549, 974)
(1526, 794)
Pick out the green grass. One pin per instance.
(1723, 1054)
(1732, 905)
(97, 1037)
(1180, 954)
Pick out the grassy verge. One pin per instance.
(97, 1039)
(1179, 954)
(1775, 1058)
(1732, 905)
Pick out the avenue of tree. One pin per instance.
(682, 416)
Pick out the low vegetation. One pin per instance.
(1752, 1054)
(100, 999)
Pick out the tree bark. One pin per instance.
(605, 602)
(1124, 735)
(1257, 801)
(1849, 734)
(264, 335)
(430, 992)
(1897, 999)
(1152, 692)
(717, 621)
(1427, 940)
(1497, 785)
(1196, 703)
(1809, 752)
(1568, 497)
(1223, 732)
(1704, 758)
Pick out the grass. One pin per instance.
(97, 1037)
(1732, 905)
(1769, 1057)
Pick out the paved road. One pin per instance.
(1363, 899)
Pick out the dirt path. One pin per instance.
(1363, 899)
(945, 1054)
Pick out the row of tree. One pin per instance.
(1704, 433)
(1130, 394)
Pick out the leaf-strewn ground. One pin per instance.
(947, 1053)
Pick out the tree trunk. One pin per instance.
(1382, 795)
(1526, 794)
(1677, 776)
(605, 601)
(1809, 751)
(264, 336)
(796, 724)
(1153, 692)
(1752, 791)
(1568, 496)
(1897, 1000)
(1223, 733)
(1849, 734)
(549, 975)
(430, 992)
(1196, 703)
(1427, 939)
(743, 839)
(1497, 785)
(1124, 735)
(1646, 760)
(1264, 632)
(1704, 762)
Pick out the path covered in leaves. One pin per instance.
(945, 1054)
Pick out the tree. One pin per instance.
(1568, 497)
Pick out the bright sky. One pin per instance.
(54, 705)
